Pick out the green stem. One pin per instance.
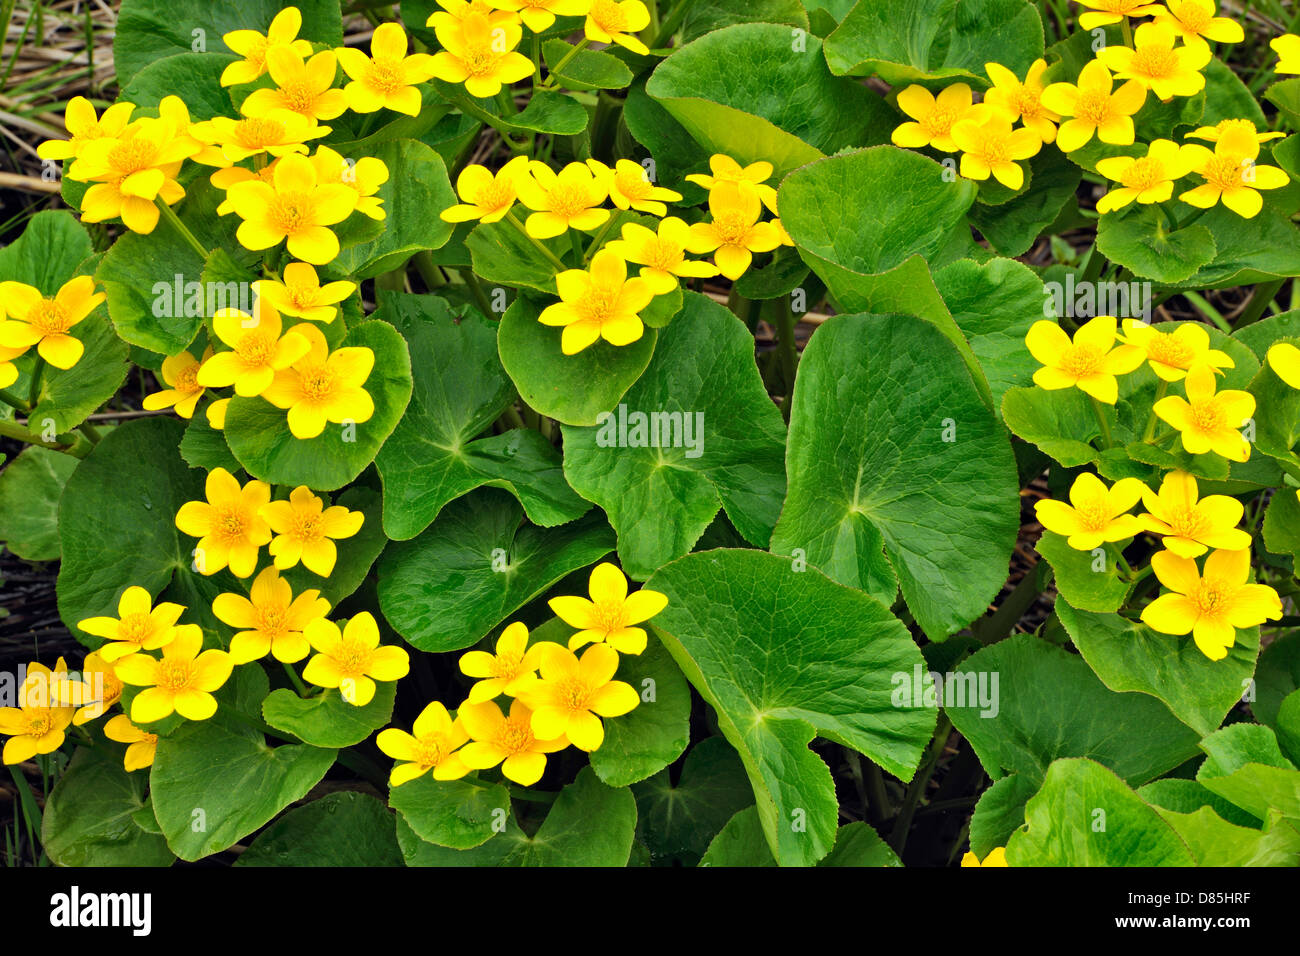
(789, 354)
(537, 59)
(551, 257)
(600, 237)
(671, 23)
(1147, 433)
(365, 767)
(1106, 438)
(1259, 301)
(916, 789)
(513, 418)
(1120, 562)
(298, 685)
(564, 61)
(575, 242)
(90, 431)
(1128, 32)
(476, 290)
(13, 400)
(533, 796)
(38, 374)
(170, 215)
(70, 445)
(1209, 311)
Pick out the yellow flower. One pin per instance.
(499, 673)
(734, 234)
(1287, 48)
(431, 747)
(180, 374)
(484, 196)
(1194, 22)
(272, 618)
(454, 12)
(1284, 359)
(1157, 65)
(228, 525)
(629, 187)
(8, 370)
(724, 169)
(1172, 354)
(612, 21)
(990, 145)
(139, 626)
(1113, 11)
(1209, 605)
(1236, 131)
(254, 46)
(142, 746)
(351, 659)
(96, 689)
(997, 857)
(1015, 100)
(323, 386)
(388, 77)
(1231, 175)
(509, 741)
(479, 51)
(363, 177)
(302, 87)
(602, 303)
(44, 322)
(572, 695)
(1094, 108)
(83, 126)
(1096, 514)
(304, 528)
(1191, 527)
(295, 206)
(933, 117)
(224, 178)
(567, 200)
(131, 171)
(216, 413)
(173, 109)
(1089, 362)
(1149, 179)
(181, 682)
(301, 294)
(258, 351)
(611, 613)
(38, 724)
(539, 15)
(661, 255)
(278, 132)
(1209, 421)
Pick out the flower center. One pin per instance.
(40, 725)
(230, 526)
(574, 694)
(1094, 517)
(176, 675)
(353, 658)
(1192, 16)
(1186, 522)
(610, 616)
(1145, 174)
(258, 133)
(307, 526)
(291, 212)
(1093, 106)
(317, 383)
(1155, 62)
(255, 348)
(940, 120)
(1207, 417)
(993, 151)
(633, 185)
(515, 736)
(481, 60)
(132, 155)
(1081, 361)
(506, 666)
(1226, 172)
(497, 195)
(299, 96)
(49, 318)
(386, 76)
(273, 620)
(599, 304)
(135, 628)
(569, 200)
(185, 380)
(1168, 350)
(427, 752)
(733, 228)
(609, 16)
(1210, 596)
(662, 254)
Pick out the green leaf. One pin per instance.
(704, 18)
(589, 824)
(678, 821)
(1226, 97)
(895, 474)
(1214, 841)
(356, 554)
(205, 447)
(573, 389)
(1060, 422)
(1277, 676)
(695, 433)
(1277, 415)
(1248, 250)
(1245, 766)
(1013, 227)
(1037, 703)
(339, 829)
(757, 92)
(89, 818)
(432, 456)
(655, 733)
(588, 70)
(1139, 239)
(1188, 796)
(1129, 656)
(215, 781)
(458, 814)
(747, 629)
(416, 192)
(740, 843)
(196, 77)
(1081, 581)
(29, 502)
(994, 304)
(259, 435)
(1086, 816)
(117, 524)
(48, 253)
(327, 720)
(503, 255)
(476, 565)
(930, 40)
(1285, 95)
(785, 273)
(675, 152)
(1000, 813)
(67, 397)
(149, 30)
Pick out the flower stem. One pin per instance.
(600, 237)
(564, 61)
(1128, 32)
(170, 215)
(476, 290)
(789, 354)
(1106, 438)
(12, 400)
(1161, 387)
(38, 374)
(551, 257)
(298, 685)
